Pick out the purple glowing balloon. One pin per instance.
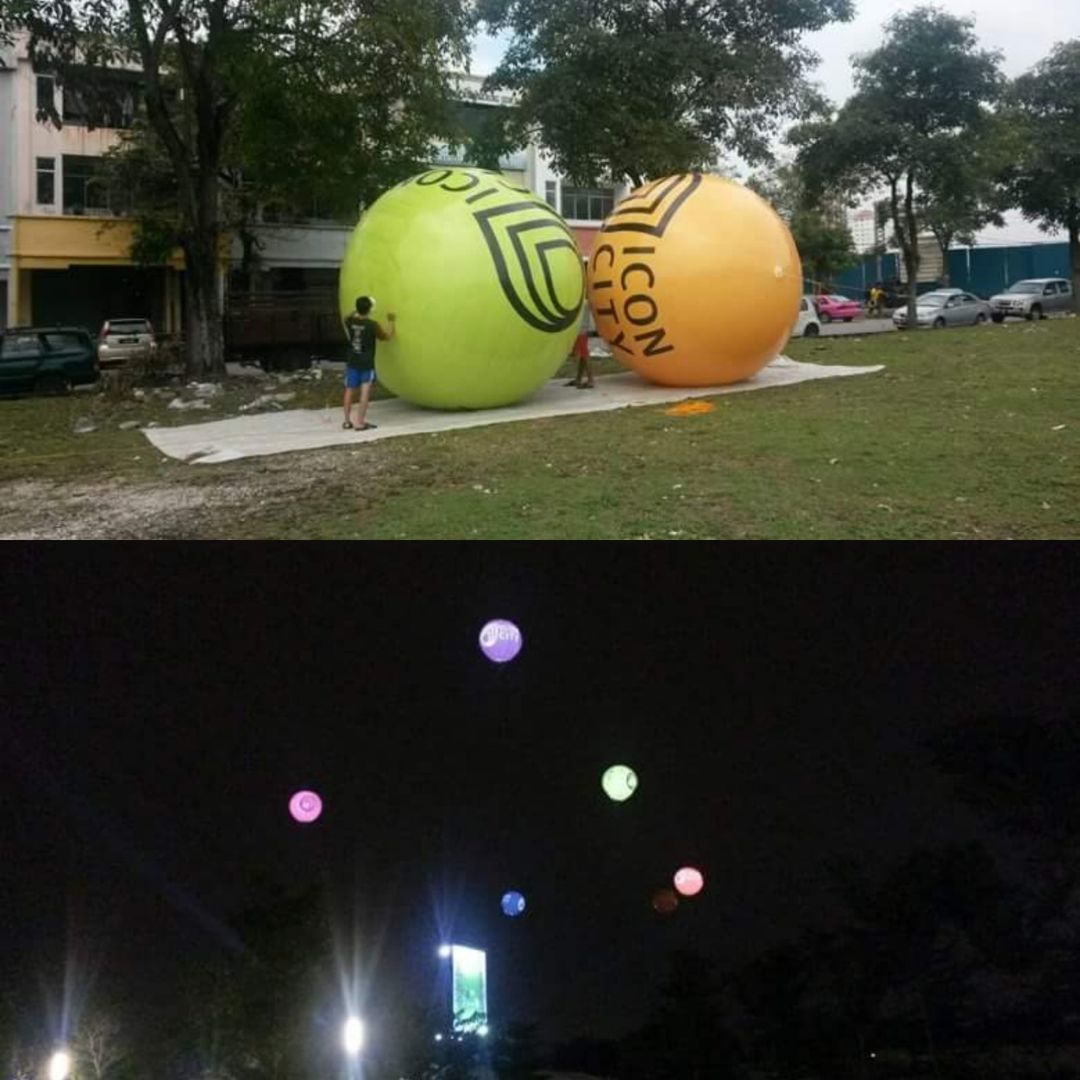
(500, 640)
(305, 807)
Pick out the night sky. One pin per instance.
(160, 707)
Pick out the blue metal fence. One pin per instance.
(983, 271)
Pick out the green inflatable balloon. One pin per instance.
(486, 281)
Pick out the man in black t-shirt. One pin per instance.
(360, 362)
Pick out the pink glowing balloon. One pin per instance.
(688, 881)
(305, 807)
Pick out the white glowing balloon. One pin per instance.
(619, 782)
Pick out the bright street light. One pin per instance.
(354, 1035)
(59, 1065)
(482, 1031)
(444, 951)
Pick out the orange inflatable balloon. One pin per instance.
(695, 281)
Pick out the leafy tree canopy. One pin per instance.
(636, 88)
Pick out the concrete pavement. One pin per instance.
(308, 429)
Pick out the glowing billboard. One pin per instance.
(469, 988)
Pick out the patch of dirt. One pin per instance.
(141, 509)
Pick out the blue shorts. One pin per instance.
(356, 377)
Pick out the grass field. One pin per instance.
(966, 434)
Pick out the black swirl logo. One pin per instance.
(530, 245)
(527, 242)
(651, 209)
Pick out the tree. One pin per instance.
(922, 972)
(21, 1050)
(927, 85)
(1044, 181)
(687, 1036)
(514, 1055)
(1018, 772)
(825, 247)
(278, 83)
(959, 194)
(637, 88)
(821, 235)
(99, 1048)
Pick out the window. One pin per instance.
(19, 347)
(46, 181)
(99, 101)
(86, 188)
(63, 341)
(551, 193)
(587, 204)
(1063, 288)
(129, 326)
(968, 299)
(45, 87)
(1049, 290)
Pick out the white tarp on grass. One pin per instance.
(310, 429)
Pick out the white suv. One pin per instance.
(807, 324)
(1032, 299)
(126, 339)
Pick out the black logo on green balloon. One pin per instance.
(523, 239)
(526, 239)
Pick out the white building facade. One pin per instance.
(65, 238)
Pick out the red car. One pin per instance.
(835, 308)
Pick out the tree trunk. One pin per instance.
(946, 279)
(1074, 250)
(911, 250)
(205, 337)
(929, 1036)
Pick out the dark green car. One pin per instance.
(46, 359)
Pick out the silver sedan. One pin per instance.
(945, 307)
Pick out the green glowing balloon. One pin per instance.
(486, 281)
(619, 782)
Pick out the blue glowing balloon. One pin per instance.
(513, 903)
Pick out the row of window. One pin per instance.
(580, 204)
(112, 107)
(85, 189)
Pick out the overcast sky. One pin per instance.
(1024, 33)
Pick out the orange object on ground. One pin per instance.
(690, 408)
(695, 280)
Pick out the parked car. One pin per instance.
(807, 324)
(945, 307)
(831, 308)
(46, 359)
(1032, 299)
(126, 339)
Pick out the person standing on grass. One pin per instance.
(360, 362)
(581, 351)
